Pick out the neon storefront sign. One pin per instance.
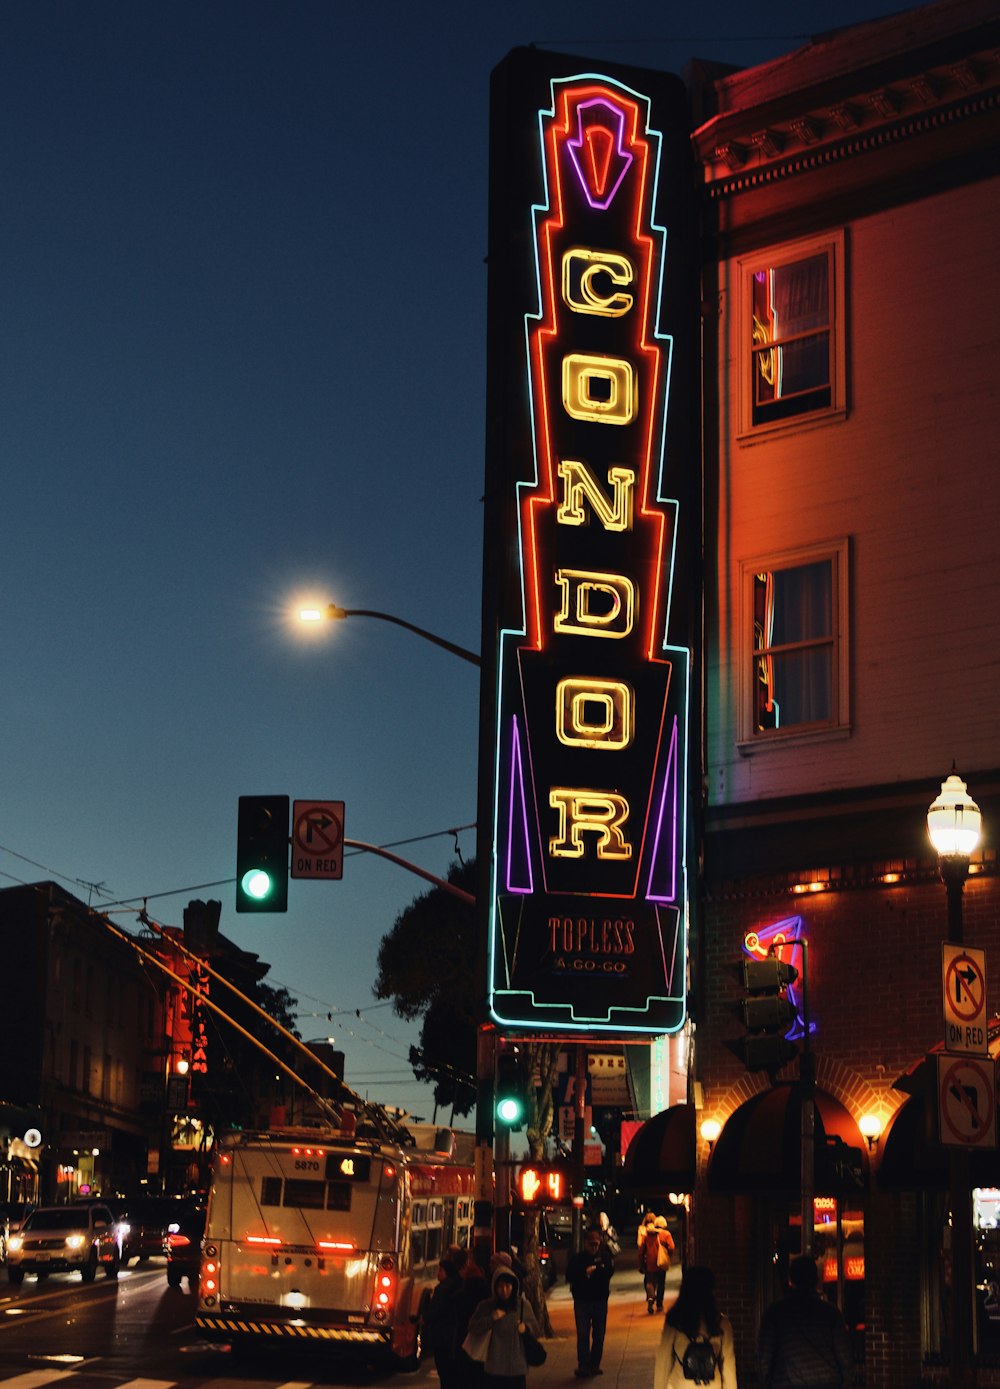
(589, 882)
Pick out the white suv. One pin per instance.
(54, 1238)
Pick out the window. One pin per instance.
(792, 334)
(794, 662)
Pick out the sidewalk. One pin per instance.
(631, 1341)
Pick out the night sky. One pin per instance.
(242, 320)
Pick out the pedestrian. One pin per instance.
(655, 1262)
(697, 1341)
(645, 1224)
(505, 1315)
(803, 1339)
(588, 1274)
(445, 1322)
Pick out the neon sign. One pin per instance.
(756, 944)
(588, 901)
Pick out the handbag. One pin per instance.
(477, 1345)
(534, 1352)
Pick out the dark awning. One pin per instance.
(661, 1156)
(912, 1157)
(760, 1147)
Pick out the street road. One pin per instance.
(139, 1332)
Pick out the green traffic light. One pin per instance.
(510, 1110)
(257, 883)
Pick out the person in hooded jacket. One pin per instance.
(506, 1314)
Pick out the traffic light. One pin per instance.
(262, 854)
(511, 1096)
(767, 1014)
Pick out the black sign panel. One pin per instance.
(590, 528)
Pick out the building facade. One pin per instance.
(851, 214)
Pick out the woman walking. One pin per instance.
(697, 1340)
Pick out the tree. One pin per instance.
(427, 966)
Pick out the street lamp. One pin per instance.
(334, 613)
(954, 824)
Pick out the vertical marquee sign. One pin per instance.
(587, 722)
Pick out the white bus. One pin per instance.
(321, 1235)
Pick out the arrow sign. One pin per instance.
(963, 981)
(318, 839)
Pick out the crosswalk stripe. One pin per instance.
(34, 1379)
(148, 1384)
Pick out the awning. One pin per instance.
(760, 1147)
(912, 1157)
(661, 1156)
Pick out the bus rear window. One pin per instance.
(304, 1194)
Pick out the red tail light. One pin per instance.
(385, 1289)
(177, 1241)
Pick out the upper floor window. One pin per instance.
(792, 334)
(794, 663)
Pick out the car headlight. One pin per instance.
(75, 1241)
(124, 1228)
(14, 1244)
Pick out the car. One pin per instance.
(57, 1238)
(143, 1221)
(11, 1215)
(183, 1245)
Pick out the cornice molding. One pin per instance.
(782, 139)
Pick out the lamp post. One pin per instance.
(954, 824)
(335, 613)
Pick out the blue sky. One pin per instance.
(242, 326)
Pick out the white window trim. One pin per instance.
(833, 245)
(839, 726)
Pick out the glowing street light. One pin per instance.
(332, 612)
(954, 824)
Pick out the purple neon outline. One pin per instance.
(517, 781)
(575, 148)
(669, 781)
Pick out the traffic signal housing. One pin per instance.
(511, 1093)
(541, 1184)
(262, 854)
(768, 1013)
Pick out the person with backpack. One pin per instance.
(655, 1262)
(697, 1342)
(803, 1339)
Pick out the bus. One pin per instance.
(331, 1236)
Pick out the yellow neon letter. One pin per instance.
(594, 713)
(581, 292)
(579, 483)
(599, 812)
(577, 613)
(617, 403)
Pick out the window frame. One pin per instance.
(833, 246)
(837, 554)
